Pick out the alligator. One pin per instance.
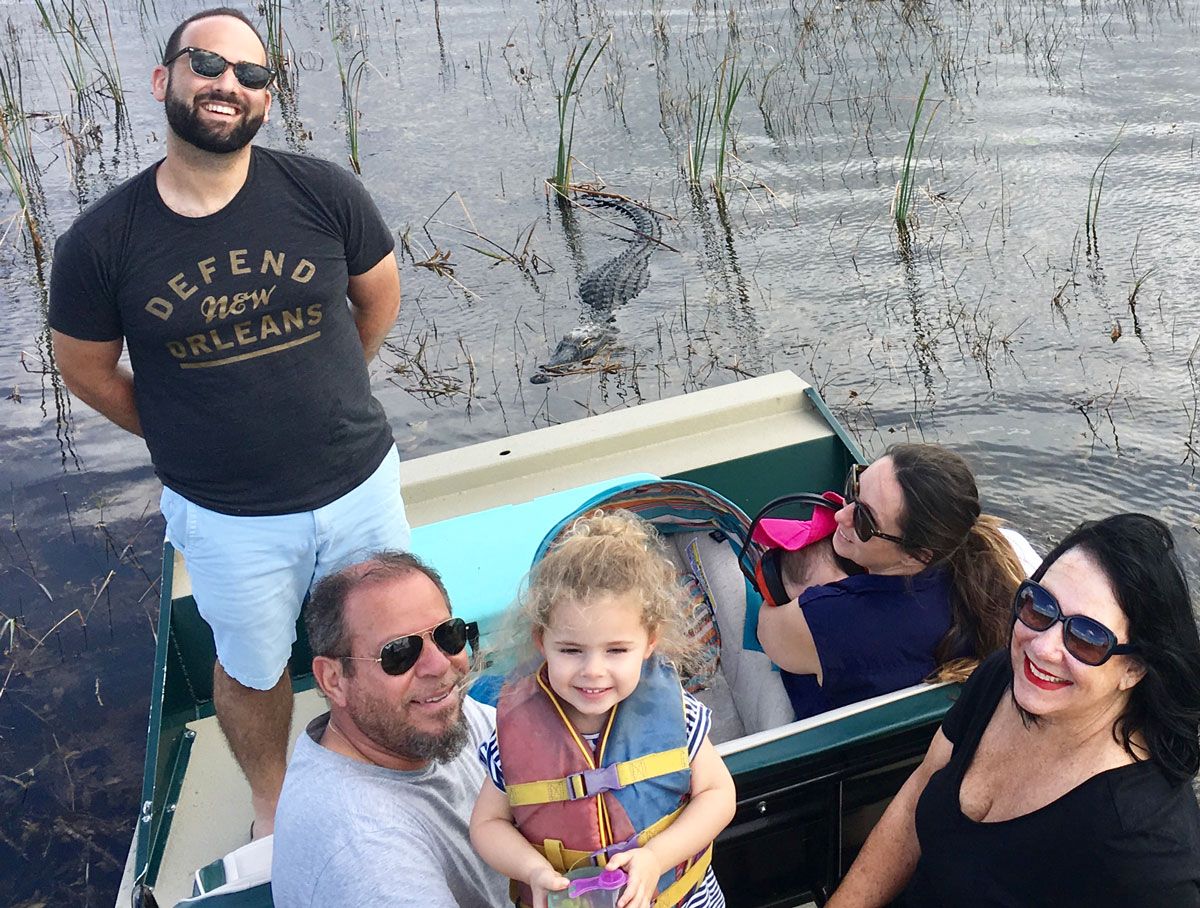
(602, 289)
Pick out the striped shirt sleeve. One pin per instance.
(489, 756)
(698, 718)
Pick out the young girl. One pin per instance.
(599, 757)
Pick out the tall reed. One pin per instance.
(109, 71)
(727, 95)
(704, 111)
(17, 165)
(350, 73)
(577, 70)
(272, 11)
(707, 110)
(902, 199)
(1094, 191)
(80, 55)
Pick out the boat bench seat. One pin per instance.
(746, 694)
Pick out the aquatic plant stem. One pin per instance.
(350, 74)
(703, 114)
(727, 100)
(902, 200)
(1095, 189)
(568, 101)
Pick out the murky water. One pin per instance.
(1060, 359)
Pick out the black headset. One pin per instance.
(766, 575)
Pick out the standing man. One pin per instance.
(379, 793)
(251, 287)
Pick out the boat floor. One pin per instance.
(212, 816)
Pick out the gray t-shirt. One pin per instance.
(349, 834)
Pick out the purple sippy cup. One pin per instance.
(591, 887)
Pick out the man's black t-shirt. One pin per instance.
(1126, 838)
(248, 368)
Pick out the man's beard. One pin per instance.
(184, 119)
(389, 729)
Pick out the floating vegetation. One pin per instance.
(428, 381)
(902, 212)
(577, 70)
(601, 362)
(439, 263)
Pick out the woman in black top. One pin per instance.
(1060, 778)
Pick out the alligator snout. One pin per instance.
(576, 347)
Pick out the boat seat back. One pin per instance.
(241, 879)
(705, 533)
(747, 695)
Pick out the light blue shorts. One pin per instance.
(250, 574)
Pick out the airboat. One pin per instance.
(808, 791)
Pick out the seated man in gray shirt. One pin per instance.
(378, 795)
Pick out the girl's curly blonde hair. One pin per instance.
(606, 553)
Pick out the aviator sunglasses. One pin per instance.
(1085, 638)
(209, 65)
(864, 521)
(399, 655)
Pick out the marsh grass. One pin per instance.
(350, 73)
(902, 208)
(703, 114)
(80, 55)
(272, 13)
(521, 253)
(17, 164)
(430, 381)
(1095, 190)
(577, 70)
(728, 89)
(351, 78)
(707, 110)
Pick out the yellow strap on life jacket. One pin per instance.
(564, 859)
(547, 791)
(674, 893)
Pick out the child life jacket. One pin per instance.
(579, 808)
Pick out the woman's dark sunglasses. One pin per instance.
(1085, 638)
(864, 521)
(210, 66)
(400, 655)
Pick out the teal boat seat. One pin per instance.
(483, 556)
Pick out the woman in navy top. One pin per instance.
(939, 577)
(1062, 776)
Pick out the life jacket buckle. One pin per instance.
(591, 782)
(615, 848)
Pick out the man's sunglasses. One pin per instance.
(400, 655)
(1085, 638)
(210, 66)
(864, 521)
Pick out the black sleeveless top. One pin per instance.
(1125, 838)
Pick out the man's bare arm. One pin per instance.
(93, 373)
(375, 303)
